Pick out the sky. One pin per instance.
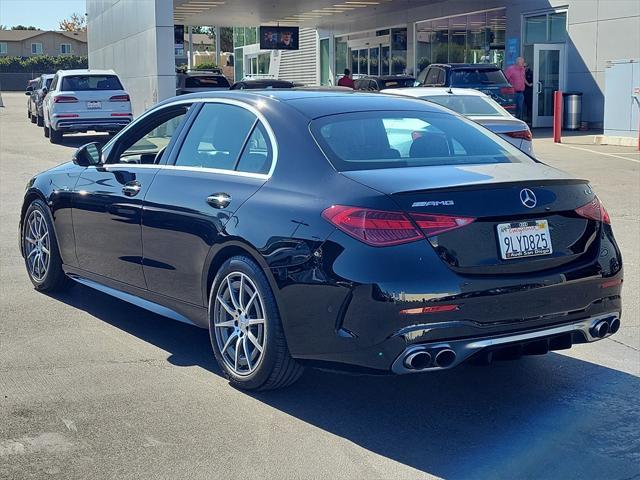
(44, 14)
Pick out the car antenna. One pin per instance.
(450, 91)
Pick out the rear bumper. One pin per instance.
(357, 313)
(90, 124)
(449, 354)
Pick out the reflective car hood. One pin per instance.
(395, 180)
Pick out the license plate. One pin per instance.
(524, 239)
(94, 105)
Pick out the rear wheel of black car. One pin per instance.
(245, 329)
(55, 136)
(40, 121)
(46, 131)
(40, 249)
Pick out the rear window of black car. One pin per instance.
(398, 83)
(477, 76)
(377, 140)
(203, 81)
(91, 82)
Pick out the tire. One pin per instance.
(266, 369)
(55, 136)
(38, 237)
(32, 118)
(46, 131)
(28, 113)
(40, 121)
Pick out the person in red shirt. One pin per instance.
(516, 76)
(346, 81)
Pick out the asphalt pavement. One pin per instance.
(92, 387)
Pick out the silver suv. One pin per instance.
(84, 100)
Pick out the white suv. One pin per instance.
(83, 100)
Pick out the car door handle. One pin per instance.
(131, 189)
(219, 200)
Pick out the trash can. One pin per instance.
(572, 114)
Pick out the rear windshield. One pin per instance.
(203, 81)
(91, 82)
(398, 83)
(377, 140)
(477, 76)
(469, 105)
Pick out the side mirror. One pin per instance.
(87, 155)
(28, 92)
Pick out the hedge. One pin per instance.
(41, 64)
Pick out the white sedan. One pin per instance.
(478, 107)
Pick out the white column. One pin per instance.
(136, 40)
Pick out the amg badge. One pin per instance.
(432, 203)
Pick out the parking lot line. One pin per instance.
(600, 153)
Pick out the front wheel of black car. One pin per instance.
(40, 249)
(46, 131)
(245, 329)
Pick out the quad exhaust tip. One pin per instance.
(601, 329)
(445, 358)
(418, 360)
(614, 326)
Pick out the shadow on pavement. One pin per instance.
(541, 417)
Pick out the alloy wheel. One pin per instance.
(240, 324)
(37, 245)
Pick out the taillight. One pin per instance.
(522, 134)
(594, 210)
(431, 224)
(507, 90)
(119, 98)
(65, 99)
(374, 227)
(380, 228)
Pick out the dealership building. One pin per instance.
(570, 45)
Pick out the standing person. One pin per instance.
(516, 77)
(528, 91)
(346, 80)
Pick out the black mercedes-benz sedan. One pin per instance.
(352, 231)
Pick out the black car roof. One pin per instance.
(386, 77)
(313, 104)
(489, 66)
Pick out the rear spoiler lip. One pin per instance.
(498, 184)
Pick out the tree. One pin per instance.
(226, 39)
(22, 27)
(75, 23)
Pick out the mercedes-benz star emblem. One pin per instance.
(528, 198)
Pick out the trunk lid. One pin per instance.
(492, 195)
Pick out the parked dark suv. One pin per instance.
(486, 77)
(377, 83)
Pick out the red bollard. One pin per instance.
(557, 116)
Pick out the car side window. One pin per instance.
(216, 137)
(432, 76)
(54, 83)
(257, 154)
(146, 143)
(441, 76)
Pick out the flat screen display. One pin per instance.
(279, 38)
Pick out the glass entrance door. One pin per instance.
(548, 76)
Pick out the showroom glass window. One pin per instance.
(473, 38)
